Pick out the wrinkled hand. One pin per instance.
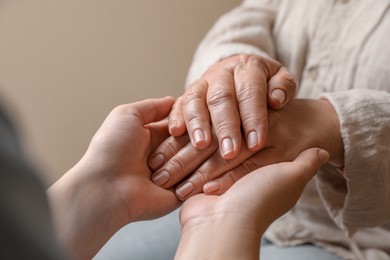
(300, 125)
(232, 93)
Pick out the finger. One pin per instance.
(166, 150)
(222, 104)
(282, 87)
(182, 164)
(277, 187)
(221, 184)
(196, 114)
(177, 125)
(307, 163)
(215, 166)
(151, 110)
(158, 133)
(251, 91)
(282, 183)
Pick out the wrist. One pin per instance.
(221, 236)
(335, 146)
(85, 214)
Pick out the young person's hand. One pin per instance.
(230, 226)
(233, 93)
(110, 186)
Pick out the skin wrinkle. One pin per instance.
(223, 165)
(176, 166)
(217, 98)
(174, 143)
(225, 126)
(193, 94)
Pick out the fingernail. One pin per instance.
(161, 178)
(184, 190)
(212, 187)
(323, 156)
(279, 95)
(227, 146)
(198, 136)
(252, 139)
(156, 160)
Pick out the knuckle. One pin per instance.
(198, 84)
(252, 119)
(170, 146)
(254, 60)
(195, 119)
(246, 58)
(220, 97)
(247, 89)
(284, 80)
(226, 126)
(176, 166)
(200, 177)
(289, 80)
(191, 95)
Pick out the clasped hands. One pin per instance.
(114, 183)
(242, 100)
(234, 103)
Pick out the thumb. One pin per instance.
(152, 110)
(307, 163)
(282, 88)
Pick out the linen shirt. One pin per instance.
(338, 50)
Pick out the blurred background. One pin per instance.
(65, 64)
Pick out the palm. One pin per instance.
(120, 150)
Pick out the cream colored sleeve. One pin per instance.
(359, 196)
(247, 29)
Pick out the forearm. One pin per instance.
(85, 218)
(221, 238)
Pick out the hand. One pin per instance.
(232, 224)
(111, 185)
(306, 123)
(232, 93)
(300, 125)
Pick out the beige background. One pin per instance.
(64, 64)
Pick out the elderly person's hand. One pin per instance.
(233, 93)
(300, 125)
